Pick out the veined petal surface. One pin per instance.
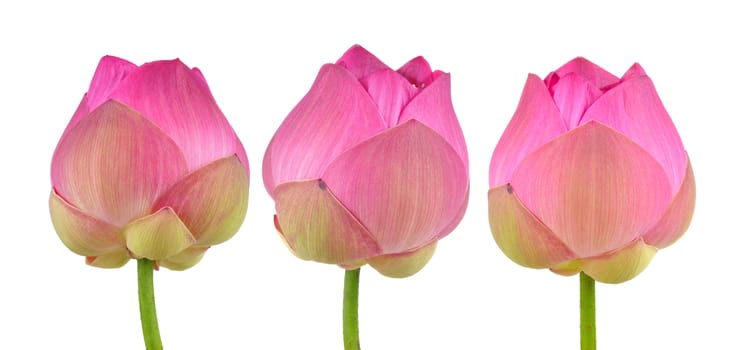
(582, 67)
(417, 71)
(158, 236)
(390, 91)
(211, 201)
(113, 260)
(360, 62)
(317, 227)
(594, 188)
(673, 224)
(114, 164)
(536, 121)
(520, 235)
(621, 265)
(170, 95)
(81, 233)
(573, 94)
(404, 264)
(336, 114)
(109, 74)
(634, 109)
(405, 185)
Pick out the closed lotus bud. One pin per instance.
(590, 175)
(148, 167)
(370, 167)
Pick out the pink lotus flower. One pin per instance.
(590, 175)
(370, 167)
(148, 167)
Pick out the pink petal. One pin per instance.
(594, 188)
(520, 235)
(580, 66)
(536, 121)
(158, 236)
(111, 260)
(634, 109)
(108, 76)
(404, 264)
(621, 265)
(573, 94)
(80, 113)
(417, 71)
(673, 224)
(405, 185)
(211, 201)
(335, 114)
(317, 227)
(171, 96)
(390, 92)
(81, 233)
(114, 164)
(457, 217)
(433, 107)
(360, 62)
(634, 72)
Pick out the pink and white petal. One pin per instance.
(456, 218)
(390, 91)
(404, 264)
(158, 236)
(170, 95)
(114, 164)
(336, 114)
(536, 121)
(316, 226)
(521, 236)
(110, 72)
(405, 185)
(567, 268)
(433, 107)
(635, 71)
(673, 224)
(360, 62)
(211, 201)
(594, 188)
(81, 233)
(582, 67)
(573, 94)
(417, 71)
(634, 109)
(184, 260)
(113, 260)
(620, 265)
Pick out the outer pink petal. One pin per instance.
(404, 264)
(390, 92)
(418, 72)
(336, 114)
(457, 217)
(405, 185)
(536, 121)
(582, 67)
(80, 113)
(81, 233)
(158, 236)
(634, 71)
(520, 235)
(433, 107)
(211, 201)
(634, 109)
(594, 188)
(573, 94)
(114, 164)
(108, 76)
(677, 217)
(621, 265)
(360, 62)
(315, 226)
(170, 95)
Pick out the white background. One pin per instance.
(251, 293)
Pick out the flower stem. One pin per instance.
(350, 310)
(147, 301)
(587, 312)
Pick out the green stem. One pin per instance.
(350, 310)
(147, 301)
(587, 312)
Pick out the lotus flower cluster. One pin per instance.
(590, 175)
(370, 167)
(148, 167)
